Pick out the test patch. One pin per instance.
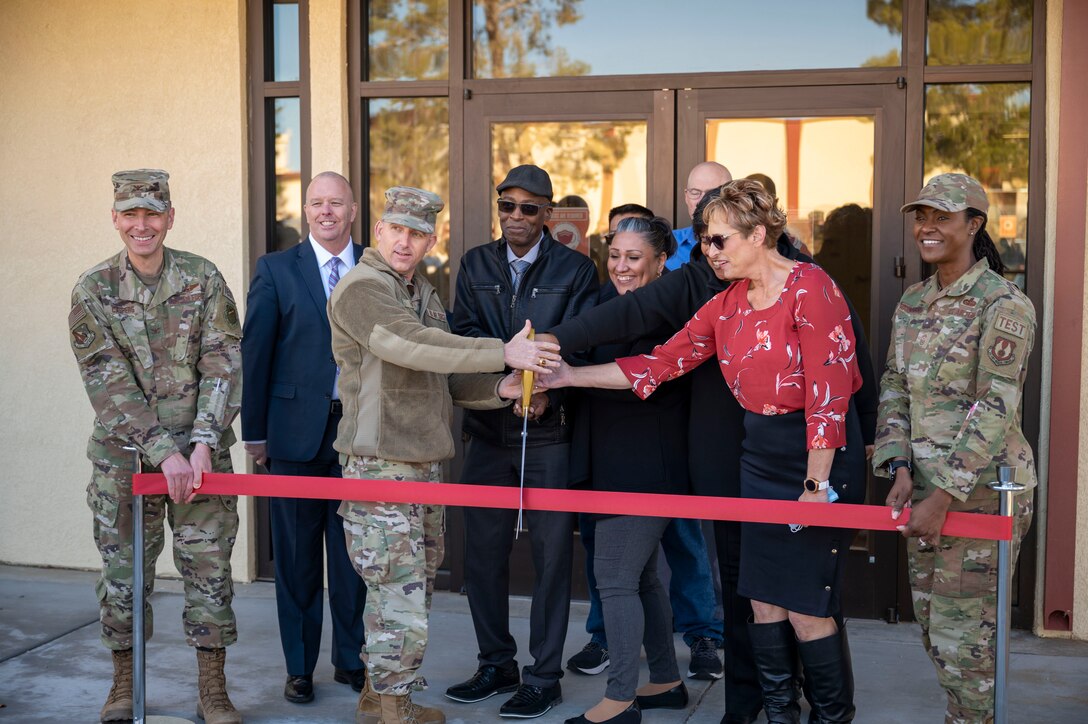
(1010, 325)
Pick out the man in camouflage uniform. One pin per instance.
(949, 417)
(156, 336)
(400, 371)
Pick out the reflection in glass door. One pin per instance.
(594, 166)
(601, 150)
(828, 155)
(821, 169)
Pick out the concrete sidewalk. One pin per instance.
(54, 669)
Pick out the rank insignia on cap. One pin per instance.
(1002, 351)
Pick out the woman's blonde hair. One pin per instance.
(745, 204)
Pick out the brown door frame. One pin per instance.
(873, 592)
(481, 110)
(477, 191)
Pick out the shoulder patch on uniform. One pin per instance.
(1010, 325)
(231, 314)
(78, 313)
(82, 336)
(1002, 351)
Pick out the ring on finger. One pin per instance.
(543, 362)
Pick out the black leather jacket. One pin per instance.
(558, 286)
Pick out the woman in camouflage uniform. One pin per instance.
(949, 416)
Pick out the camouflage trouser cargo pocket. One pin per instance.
(396, 549)
(203, 531)
(204, 534)
(954, 587)
(109, 496)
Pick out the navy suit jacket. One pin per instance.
(287, 365)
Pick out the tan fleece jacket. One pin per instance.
(401, 372)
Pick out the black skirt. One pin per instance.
(803, 571)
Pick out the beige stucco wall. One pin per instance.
(329, 87)
(89, 88)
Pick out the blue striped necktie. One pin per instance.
(334, 272)
(519, 266)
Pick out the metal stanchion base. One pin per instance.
(158, 719)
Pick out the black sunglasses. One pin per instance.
(527, 209)
(716, 240)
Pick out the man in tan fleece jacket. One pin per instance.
(401, 370)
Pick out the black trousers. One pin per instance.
(489, 538)
(302, 531)
(743, 695)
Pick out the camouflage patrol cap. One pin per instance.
(413, 208)
(142, 188)
(951, 192)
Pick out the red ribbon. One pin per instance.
(839, 515)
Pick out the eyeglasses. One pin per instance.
(695, 194)
(716, 240)
(527, 209)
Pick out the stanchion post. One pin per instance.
(1007, 487)
(138, 681)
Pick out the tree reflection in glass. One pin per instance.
(978, 32)
(408, 39)
(982, 130)
(596, 164)
(409, 145)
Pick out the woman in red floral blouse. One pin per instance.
(782, 337)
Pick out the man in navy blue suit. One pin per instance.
(290, 412)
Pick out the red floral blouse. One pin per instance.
(798, 354)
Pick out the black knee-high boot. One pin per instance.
(775, 651)
(830, 678)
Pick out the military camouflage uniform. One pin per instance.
(400, 373)
(162, 372)
(395, 548)
(950, 403)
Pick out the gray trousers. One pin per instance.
(636, 605)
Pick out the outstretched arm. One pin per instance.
(607, 377)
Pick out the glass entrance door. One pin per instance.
(601, 150)
(834, 158)
(834, 155)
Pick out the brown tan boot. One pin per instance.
(212, 704)
(118, 706)
(369, 709)
(401, 710)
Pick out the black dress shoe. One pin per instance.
(674, 698)
(299, 689)
(529, 701)
(485, 683)
(740, 718)
(355, 677)
(630, 715)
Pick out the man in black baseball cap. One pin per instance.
(525, 275)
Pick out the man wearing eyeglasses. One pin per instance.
(525, 275)
(704, 177)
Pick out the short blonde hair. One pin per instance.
(746, 204)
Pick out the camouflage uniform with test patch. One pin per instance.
(950, 403)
